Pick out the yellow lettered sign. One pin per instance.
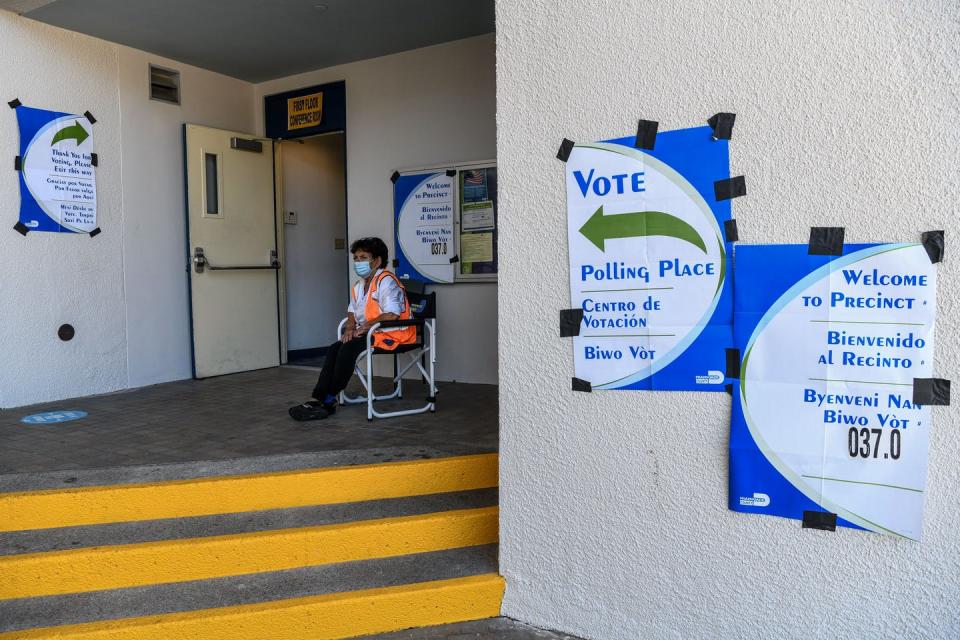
(304, 111)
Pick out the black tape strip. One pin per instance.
(934, 244)
(570, 321)
(730, 188)
(17, 164)
(455, 259)
(14, 103)
(394, 177)
(432, 399)
(395, 262)
(722, 125)
(451, 173)
(646, 134)
(581, 385)
(730, 230)
(565, 148)
(733, 363)
(728, 388)
(95, 232)
(931, 391)
(94, 159)
(825, 241)
(21, 228)
(89, 116)
(823, 520)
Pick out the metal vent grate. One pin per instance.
(164, 85)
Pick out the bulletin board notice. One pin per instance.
(477, 223)
(445, 223)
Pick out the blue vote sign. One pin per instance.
(649, 262)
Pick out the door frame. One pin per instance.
(281, 226)
(275, 125)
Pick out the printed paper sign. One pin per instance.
(477, 216)
(476, 247)
(823, 416)
(58, 189)
(304, 111)
(649, 262)
(423, 205)
(478, 213)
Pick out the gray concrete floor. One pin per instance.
(237, 417)
(492, 629)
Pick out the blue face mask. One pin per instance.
(362, 268)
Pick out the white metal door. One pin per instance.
(233, 251)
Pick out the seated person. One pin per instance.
(378, 296)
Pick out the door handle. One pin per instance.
(200, 262)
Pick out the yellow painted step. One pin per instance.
(338, 615)
(233, 494)
(133, 565)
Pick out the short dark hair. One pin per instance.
(374, 246)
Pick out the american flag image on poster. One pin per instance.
(474, 185)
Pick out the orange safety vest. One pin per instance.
(383, 339)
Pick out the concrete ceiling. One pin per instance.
(259, 40)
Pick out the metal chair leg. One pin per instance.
(370, 392)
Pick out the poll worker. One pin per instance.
(377, 297)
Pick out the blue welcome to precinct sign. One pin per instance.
(824, 415)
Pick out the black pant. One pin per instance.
(338, 367)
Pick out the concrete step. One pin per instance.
(247, 465)
(124, 533)
(487, 629)
(331, 552)
(186, 559)
(93, 505)
(325, 617)
(127, 608)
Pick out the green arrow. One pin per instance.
(73, 132)
(600, 228)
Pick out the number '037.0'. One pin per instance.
(867, 443)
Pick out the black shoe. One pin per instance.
(311, 410)
(330, 407)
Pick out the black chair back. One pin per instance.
(423, 305)
(414, 286)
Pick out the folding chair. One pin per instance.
(423, 308)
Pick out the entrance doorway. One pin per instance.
(315, 243)
(267, 235)
(232, 245)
